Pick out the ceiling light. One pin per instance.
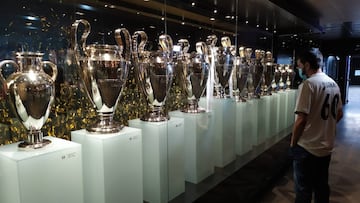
(162, 18)
(193, 4)
(215, 11)
(227, 17)
(247, 22)
(182, 23)
(86, 7)
(257, 25)
(212, 19)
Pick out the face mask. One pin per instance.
(302, 74)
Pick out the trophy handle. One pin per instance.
(54, 69)
(225, 42)
(184, 44)
(139, 48)
(2, 78)
(211, 40)
(78, 47)
(126, 42)
(166, 43)
(201, 48)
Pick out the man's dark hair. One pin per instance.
(311, 58)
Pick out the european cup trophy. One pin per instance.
(155, 74)
(103, 70)
(195, 78)
(224, 64)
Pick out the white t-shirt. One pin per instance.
(319, 98)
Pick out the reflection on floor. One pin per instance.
(251, 183)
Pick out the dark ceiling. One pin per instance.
(326, 19)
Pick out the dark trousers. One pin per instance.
(311, 174)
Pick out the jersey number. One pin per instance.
(329, 108)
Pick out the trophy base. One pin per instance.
(27, 146)
(197, 110)
(155, 117)
(100, 128)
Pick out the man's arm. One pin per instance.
(298, 128)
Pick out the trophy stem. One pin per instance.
(34, 141)
(105, 124)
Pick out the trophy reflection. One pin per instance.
(103, 71)
(155, 74)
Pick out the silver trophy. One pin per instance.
(291, 76)
(224, 64)
(103, 71)
(196, 76)
(240, 75)
(31, 92)
(155, 74)
(269, 71)
(256, 70)
(283, 77)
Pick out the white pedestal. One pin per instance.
(112, 165)
(198, 145)
(163, 159)
(243, 143)
(251, 122)
(283, 109)
(274, 114)
(291, 97)
(264, 105)
(52, 174)
(223, 131)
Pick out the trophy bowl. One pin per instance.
(31, 93)
(104, 75)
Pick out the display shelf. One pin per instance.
(52, 174)
(163, 159)
(112, 165)
(198, 145)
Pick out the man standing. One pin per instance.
(318, 109)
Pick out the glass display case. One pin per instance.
(138, 60)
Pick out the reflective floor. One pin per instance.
(268, 177)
